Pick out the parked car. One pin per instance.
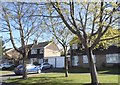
(30, 69)
(45, 65)
(5, 65)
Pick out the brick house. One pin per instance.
(102, 57)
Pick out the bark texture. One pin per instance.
(92, 66)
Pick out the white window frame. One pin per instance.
(85, 59)
(34, 51)
(112, 58)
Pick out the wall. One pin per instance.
(57, 62)
(100, 62)
(51, 50)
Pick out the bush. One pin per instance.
(116, 65)
(103, 65)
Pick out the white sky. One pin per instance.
(56, 0)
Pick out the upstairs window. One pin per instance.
(112, 58)
(85, 59)
(34, 51)
(74, 46)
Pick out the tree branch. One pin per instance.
(118, 36)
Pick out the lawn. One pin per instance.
(58, 78)
(108, 76)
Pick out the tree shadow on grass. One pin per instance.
(13, 75)
(70, 70)
(40, 81)
(103, 84)
(58, 84)
(113, 71)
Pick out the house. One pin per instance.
(42, 52)
(102, 57)
(12, 56)
(46, 52)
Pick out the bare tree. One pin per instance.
(61, 34)
(87, 20)
(21, 27)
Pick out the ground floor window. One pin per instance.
(40, 61)
(33, 60)
(112, 58)
(85, 59)
(75, 60)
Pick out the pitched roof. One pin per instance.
(12, 52)
(110, 50)
(41, 44)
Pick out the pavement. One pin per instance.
(11, 75)
(7, 75)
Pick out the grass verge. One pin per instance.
(59, 79)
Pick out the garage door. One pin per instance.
(60, 62)
(57, 62)
(51, 61)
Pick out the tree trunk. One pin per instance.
(92, 66)
(66, 66)
(66, 62)
(24, 67)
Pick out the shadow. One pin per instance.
(45, 81)
(62, 70)
(51, 77)
(103, 84)
(113, 71)
(10, 75)
(58, 84)
(4, 83)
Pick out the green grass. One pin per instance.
(77, 76)
(58, 78)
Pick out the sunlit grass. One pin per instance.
(58, 78)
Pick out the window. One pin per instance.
(33, 60)
(85, 59)
(34, 51)
(112, 58)
(74, 46)
(75, 60)
(41, 51)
